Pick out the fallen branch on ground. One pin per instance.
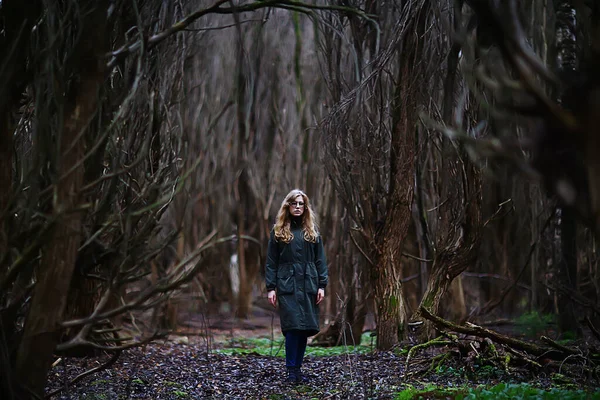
(475, 330)
(550, 355)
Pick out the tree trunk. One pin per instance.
(389, 302)
(454, 307)
(249, 267)
(566, 46)
(458, 230)
(349, 317)
(344, 310)
(437, 286)
(567, 272)
(42, 324)
(459, 252)
(246, 210)
(385, 273)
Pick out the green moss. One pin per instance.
(562, 380)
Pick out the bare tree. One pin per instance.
(453, 203)
(96, 162)
(527, 93)
(370, 141)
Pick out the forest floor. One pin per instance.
(229, 359)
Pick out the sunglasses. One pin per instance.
(296, 204)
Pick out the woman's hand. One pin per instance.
(272, 298)
(320, 295)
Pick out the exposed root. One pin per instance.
(439, 341)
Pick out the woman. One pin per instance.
(296, 277)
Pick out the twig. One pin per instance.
(565, 360)
(558, 346)
(522, 357)
(416, 258)
(500, 207)
(361, 249)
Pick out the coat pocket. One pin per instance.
(285, 280)
(311, 281)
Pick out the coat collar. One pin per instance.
(296, 222)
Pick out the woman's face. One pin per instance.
(296, 206)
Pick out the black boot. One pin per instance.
(300, 378)
(292, 375)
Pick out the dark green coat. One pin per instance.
(296, 270)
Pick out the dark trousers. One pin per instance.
(295, 346)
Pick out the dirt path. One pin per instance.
(175, 371)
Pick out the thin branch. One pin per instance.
(216, 28)
(170, 282)
(494, 303)
(125, 50)
(416, 258)
(361, 249)
(500, 206)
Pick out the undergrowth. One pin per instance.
(530, 325)
(533, 324)
(500, 391)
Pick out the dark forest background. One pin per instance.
(448, 147)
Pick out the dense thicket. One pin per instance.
(449, 148)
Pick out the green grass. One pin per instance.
(427, 392)
(268, 347)
(501, 391)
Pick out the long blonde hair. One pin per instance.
(309, 222)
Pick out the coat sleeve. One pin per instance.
(321, 263)
(272, 263)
